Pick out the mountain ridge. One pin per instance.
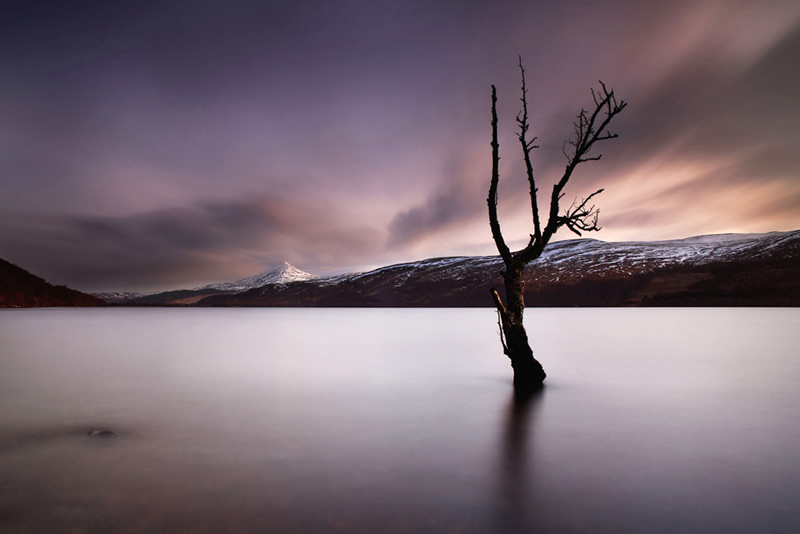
(284, 273)
(710, 270)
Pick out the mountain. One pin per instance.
(281, 275)
(177, 297)
(21, 289)
(284, 273)
(118, 297)
(716, 270)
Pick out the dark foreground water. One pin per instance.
(275, 420)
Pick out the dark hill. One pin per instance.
(21, 289)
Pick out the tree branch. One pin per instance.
(527, 146)
(587, 133)
(582, 217)
(494, 224)
(590, 127)
(501, 317)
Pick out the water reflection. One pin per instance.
(516, 470)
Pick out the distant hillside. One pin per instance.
(178, 297)
(281, 275)
(720, 270)
(118, 297)
(21, 289)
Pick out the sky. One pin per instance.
(159, 145)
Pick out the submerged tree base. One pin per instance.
(528, 372)
(528, 375)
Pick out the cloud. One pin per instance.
(440, 211)
(208, 241)
(336, 137)
(457, 197)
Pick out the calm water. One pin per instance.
(305, 420)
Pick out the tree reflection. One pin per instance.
(516, 508)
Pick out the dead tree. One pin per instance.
(591, 126)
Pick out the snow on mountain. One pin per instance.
(284, 273)
(586, 257)
(118, 296)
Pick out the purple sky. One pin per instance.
(155, 145)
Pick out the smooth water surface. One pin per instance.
(397, 420)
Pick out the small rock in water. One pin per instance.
(101, 434)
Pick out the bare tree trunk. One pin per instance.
(528, 372)
(591, 127)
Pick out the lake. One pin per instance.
(397, 420)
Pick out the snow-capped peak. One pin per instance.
(282, 274)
